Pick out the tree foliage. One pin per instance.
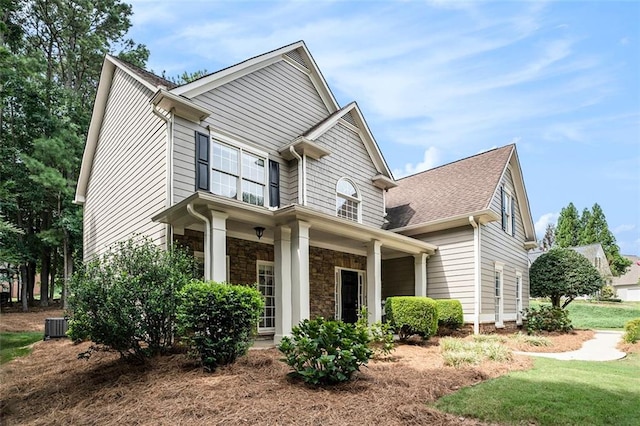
(561, 274)
(549, 239)
(51, 53)
(589, 228)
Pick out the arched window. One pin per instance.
(348, 200)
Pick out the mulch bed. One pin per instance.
(53, 386)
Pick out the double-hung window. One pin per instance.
(239, 174)
(508, 212)
(498, 286)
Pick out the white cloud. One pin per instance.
(430, 160)
(623, 228)
(543, 221)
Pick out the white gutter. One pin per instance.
(301, 190)
(207, 240)
(476, 275)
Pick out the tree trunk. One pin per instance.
(44, 276)
(22, 282)
(67, 271)
(31, 276)
(52, 281)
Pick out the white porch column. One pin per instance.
(420, 273)
(219, 246)
(299, 271)
(374, 281)
(282, 257)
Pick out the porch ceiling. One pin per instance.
(325, 231)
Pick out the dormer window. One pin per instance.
(348, 200)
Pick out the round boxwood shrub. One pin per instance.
(409, 315)
(323, 352)
(450, 313)
(217, 320)
(632, 331)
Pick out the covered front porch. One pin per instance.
(306, 263)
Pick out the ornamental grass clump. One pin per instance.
(458, 352)
(632, 331)
(325, 352)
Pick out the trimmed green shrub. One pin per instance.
(632, 331)
(449, 313)
(548, 318)
(217, 320)
(409, 315)
(126, 300)
(323, 352)
(607, 292)
(380, 334)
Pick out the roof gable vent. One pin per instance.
(295, 56)
(349, 119)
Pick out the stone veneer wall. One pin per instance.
(322, 262)
(243, 254)
(322, 281)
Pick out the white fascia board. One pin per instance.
(482, 217)
(133, 75)
(97, 116)
(329, 123)
(181, 106)
(371, 145)
(523, 199)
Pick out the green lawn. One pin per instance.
(13, 345)
(556, 393)
(598, 315)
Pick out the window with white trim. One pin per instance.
(267, 287)
(518, 297)
(508, 212)
(237, 171)
(348, 200)
(498, 290)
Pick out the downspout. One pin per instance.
(476, 275)
(207, 240)
(304, 179)
(300, 180)
(169, 184)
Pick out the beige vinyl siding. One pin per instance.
(498, 246)
(130, 156)
(268, 108)
(450, 271)
(349, 158)
(398, 277)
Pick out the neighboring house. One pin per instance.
(594, 254)
(627, 286)
(267, 179)
(477, 212)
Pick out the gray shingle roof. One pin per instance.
(457, 188)
(150, 77)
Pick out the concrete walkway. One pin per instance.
(601, 348)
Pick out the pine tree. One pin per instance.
(549, 238)
(568, 227)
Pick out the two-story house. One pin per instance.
(264, 176)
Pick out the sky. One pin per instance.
(442, 80)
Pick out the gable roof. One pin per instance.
(632, 276)
(455, 191)
(352, 117)
(296, 54)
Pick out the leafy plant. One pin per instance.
(126, 300)
(450, 313)
(607, 292)
(632, 331)
(323, 352)
(409, 315)
(217, 320)
(548, 318)
(380, 335)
